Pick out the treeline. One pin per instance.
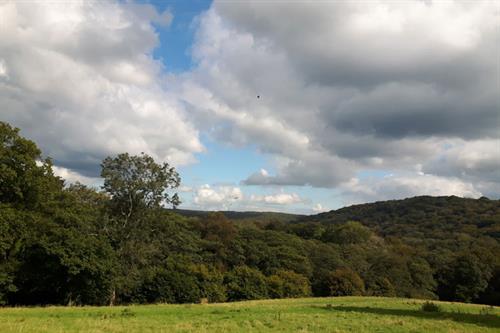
(76, 245)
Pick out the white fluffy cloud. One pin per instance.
(224, 197)
(78, 77)
(277, 199)
(221, 197)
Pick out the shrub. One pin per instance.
(244, 283)
(345, 282)
(430, 307)
(380, 286)
(288, 284)
(210, 282)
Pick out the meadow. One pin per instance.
(339, 314)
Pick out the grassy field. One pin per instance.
(341, 314)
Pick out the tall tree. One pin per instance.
(137, 186)
(136, 183)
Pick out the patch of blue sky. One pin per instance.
(222, 164)
(328, 198)
(177, 39)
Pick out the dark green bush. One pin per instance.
(244, 283)
(430, 307)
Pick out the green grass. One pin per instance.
(340, 314)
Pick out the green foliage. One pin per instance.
(350, 232)
(491, 295)
(380, 286)
(463, 279)
(344, 282)
(169, 284)
(77, 245)
(60, 263)
(12, 234)
(210, 282)
(244, 283)
(47, 253)
(26, 181)
(270, 251)
(217, 227)
(425, 217)
(288, 284)
(136, 183)
(430, 307)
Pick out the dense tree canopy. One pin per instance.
(78, 245)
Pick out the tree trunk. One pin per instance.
(112, 299)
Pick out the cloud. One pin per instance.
(398, 110)
(3, 70)
(277, 199)
(184, 188)
(220, 197)
(404, 186)
(259, 178)
(318, 208)
(314, 168)
(72, 177)
(330, 42)
(473, 160)
(79, 78)
(350, 87)
(226, 197)
(476, 161)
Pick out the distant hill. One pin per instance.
(244, 216)
(417, 217)
(421, 217)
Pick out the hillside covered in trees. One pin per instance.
(422, 217)
(70, 244)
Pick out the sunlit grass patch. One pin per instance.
(339, 314)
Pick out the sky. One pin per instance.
(296, 106)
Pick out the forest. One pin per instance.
(70, 244)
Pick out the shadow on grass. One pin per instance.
(486, 320)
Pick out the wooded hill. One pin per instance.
(442, 217)
(422, 217)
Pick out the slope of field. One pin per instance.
(340, 314)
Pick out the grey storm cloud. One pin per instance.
(365, 44)
(414, 75)
(403, 110)
(378, 85)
